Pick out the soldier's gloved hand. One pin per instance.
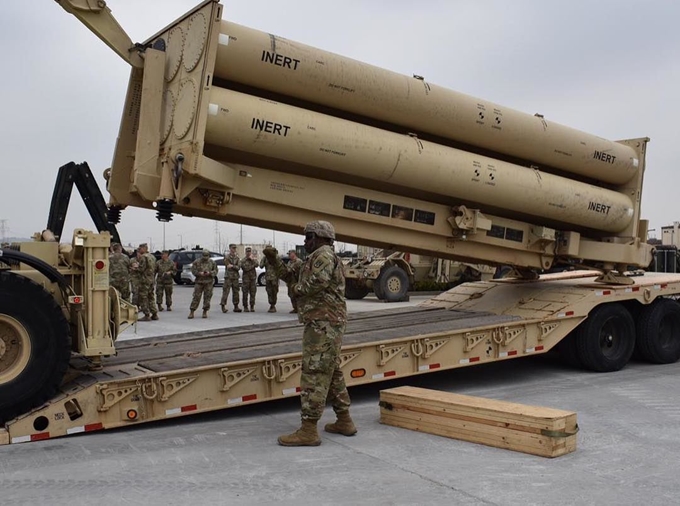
(270, 252)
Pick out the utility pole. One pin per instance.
(180, 240)
(3, 230)
(163, 236)
(241, 240)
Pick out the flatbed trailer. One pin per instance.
(172, 376)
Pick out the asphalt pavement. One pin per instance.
(628, 447)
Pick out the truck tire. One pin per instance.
(568, 352)
(393, 283)
(606, 339)
(35, 346)
(355, 290)
(262, 279)
(658, 332)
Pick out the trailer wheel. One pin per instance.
(606, 339)
(393, 283)
(658, 332)
(355, 290)
(262, 279)
(568, 352)
(35, 346)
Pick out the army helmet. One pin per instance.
(321, 229)
(206, 253)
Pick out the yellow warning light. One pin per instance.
(132, 414)
(358, 373)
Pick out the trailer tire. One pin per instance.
(35, 346)
(568, 352)
(262, 279)
(606, 339)
(355, 290)
(393, 283)
(658, 332)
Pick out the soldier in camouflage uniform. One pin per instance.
(320, 293)
(271, 284)
(134, 276)
(232, 265)
(249, 280)
(165, 270)
(119, 271)
(294, 266)
(147, 274)
(204, 269)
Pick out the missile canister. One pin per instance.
(263, 127)
(282, 66)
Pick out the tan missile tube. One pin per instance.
(258, 59)
(267, 128)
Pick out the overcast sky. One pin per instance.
(608, 67)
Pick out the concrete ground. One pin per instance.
(628, 447)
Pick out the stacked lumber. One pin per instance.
(536, 430)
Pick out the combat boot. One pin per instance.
(224, 308)
(306, 435)
(272, 309)
(146, 318)
(169, 308)
(343, 425)
(294, 310)
(154, 317)
(191, 314)
(160, 307)
(205, 313)
(237, 309)
(245, 309)
(252, 309)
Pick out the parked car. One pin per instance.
(188, 278)
(183, 258)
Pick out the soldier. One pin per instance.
(232, 265)
(272, 283)
(119, 271)
(165, 270)
(147, 273)
(134, 276)
(205, 270)
(249, 280)
(294, 266)
(320, 291)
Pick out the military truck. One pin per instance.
(229, 123)
(391, 274)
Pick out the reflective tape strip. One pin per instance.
(660, 287)
(469, 360)
(563, 315)
(245, 398)
(384, 375)
(33, 437)
(429, 367)
(223, 39)
(603, 292)
(510, 353)
(633, 289)
(85, 428)
(183, 409)
(213, 109)
(535, 349)
(291, 391)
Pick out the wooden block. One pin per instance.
(530, 429)
(4, 437)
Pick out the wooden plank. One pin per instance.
(536, 430)
(4, 437)
(462, 429)
(521, 414)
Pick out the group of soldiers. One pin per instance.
(205, 272)
(151, 280)
(147, 282)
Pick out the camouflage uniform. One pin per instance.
(119, 274)
(320, 294)
(147, 273)
(272, 283)
(249, 281)
(135, 276)
(294, 267)
(230, 280)
(165, 270)
(204, 282)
